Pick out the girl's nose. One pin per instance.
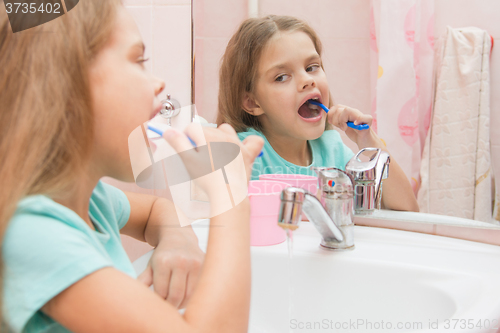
(307, 81)
(159, 85)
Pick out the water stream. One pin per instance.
(289, 240)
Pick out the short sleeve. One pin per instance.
(258, 164)
(43, 256)
(348, 154)
(112, 203)
(331, 151)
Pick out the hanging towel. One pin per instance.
(456, 169)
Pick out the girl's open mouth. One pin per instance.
(310, 112)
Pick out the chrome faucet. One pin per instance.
(368, 177)
(332, 216)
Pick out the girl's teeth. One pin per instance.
(313, 106)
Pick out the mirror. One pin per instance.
(358, 62)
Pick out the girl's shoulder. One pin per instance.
(111, 203)
(38, 219)
(47, 247)
(330, 139)
(330, 150)
(106, 200)
(329, 135)
(250, 131)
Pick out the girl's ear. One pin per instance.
(251, 106)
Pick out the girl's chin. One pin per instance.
(314, 137)
(314, 133)
(302, 130)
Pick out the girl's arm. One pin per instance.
(397, 193)
(175, 265)
(110, 301)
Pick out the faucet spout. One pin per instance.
(295, 200)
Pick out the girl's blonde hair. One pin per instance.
(46, 119)
(238, 72)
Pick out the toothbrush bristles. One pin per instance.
(312, 101)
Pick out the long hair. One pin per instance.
(238, 71)
(46, 119)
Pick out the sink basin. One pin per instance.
(392, 281)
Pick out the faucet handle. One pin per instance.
(364, 171)
(368, 178)
(383, 164)
(336, 183)
(319, 186)
(383, 171)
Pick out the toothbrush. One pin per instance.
(160, 132)
(312, 101)
(349, 123)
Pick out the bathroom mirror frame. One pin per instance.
(420, 222)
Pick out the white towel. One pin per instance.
(456, 168)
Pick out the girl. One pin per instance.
(271, 68)
(71, 92)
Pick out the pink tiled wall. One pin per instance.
(165, 26)
(214, 23)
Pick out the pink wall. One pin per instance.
(165, 26)
(214, 23)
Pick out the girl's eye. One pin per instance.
(142, 61)
(312, 68)
(281, 78)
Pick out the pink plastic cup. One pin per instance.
(308, 183)
(264, 198)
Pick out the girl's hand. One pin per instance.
(174, 269)
(250, 148)
(339, 115)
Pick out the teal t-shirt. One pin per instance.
(327, 151)
(48, 247)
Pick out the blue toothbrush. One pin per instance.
(160, 132)
(349, 123)
(312, 101)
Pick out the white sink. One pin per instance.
(392, 281)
